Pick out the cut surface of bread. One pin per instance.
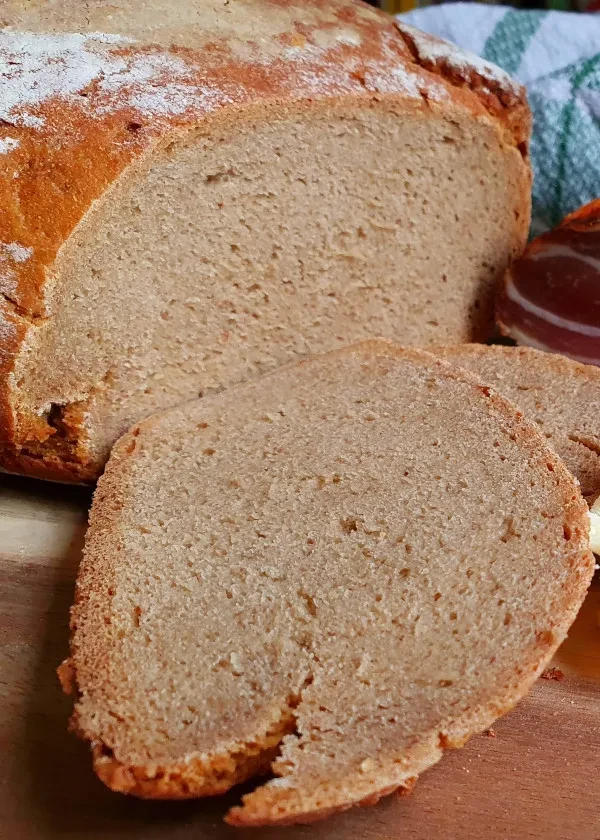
(560, 395)
(335, 571)
(189, 205)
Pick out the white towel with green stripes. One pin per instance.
(557, 56)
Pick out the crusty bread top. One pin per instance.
(78, 107)
(71, 99)
(362, 559)
(560, 395)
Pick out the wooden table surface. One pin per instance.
(538, 778)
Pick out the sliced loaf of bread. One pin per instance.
(334, 572)
(560, 395)
(195, 193)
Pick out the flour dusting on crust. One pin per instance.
(8, 144)
(161, 84)
(101, 73)
(17, 252)
(435, 50)
(37, 67)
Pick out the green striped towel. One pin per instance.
(557, 56)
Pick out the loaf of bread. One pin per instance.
(194, 193)
(334, 572)
(561, 396)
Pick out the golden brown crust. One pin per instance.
(206, 775)
(13, 329)
(47, 465)
(198, 776)
(67, 150)
(504, 99)
(267, 815)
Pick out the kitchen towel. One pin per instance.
(556, 55)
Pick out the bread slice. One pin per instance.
(336, 572)
(194, 193)
(561, 396)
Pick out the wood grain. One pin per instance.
(539, 777)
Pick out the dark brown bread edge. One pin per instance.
(507, 105)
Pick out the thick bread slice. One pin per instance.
(194, 193)
(561, 396)
(360, 560)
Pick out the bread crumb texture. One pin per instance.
(333, 573)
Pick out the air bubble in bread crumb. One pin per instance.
(237, 667)
(280, 782)
(367, 765)
(348, 525)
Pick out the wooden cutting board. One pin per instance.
(539, 777)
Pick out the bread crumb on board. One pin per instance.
(553, 674)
